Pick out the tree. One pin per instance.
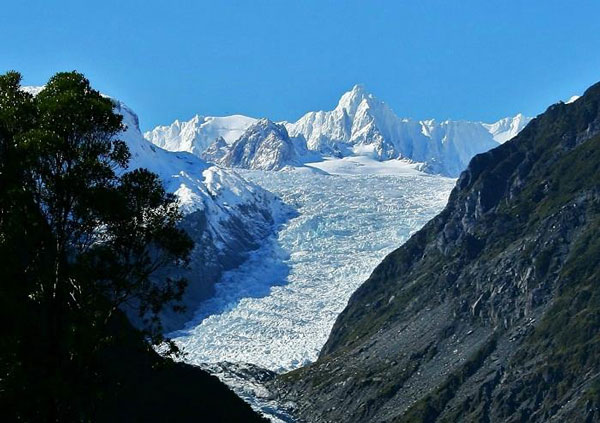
(83, 239)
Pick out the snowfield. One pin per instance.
(361, 165)
(199, 132)
(276, 310)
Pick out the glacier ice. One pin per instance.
(277, 308)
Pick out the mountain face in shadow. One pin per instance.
(140, 385)
(491, 312)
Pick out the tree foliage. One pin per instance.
(81, 238)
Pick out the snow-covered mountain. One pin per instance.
(358, 119)
(266, 146)
(216, 151)
(363, 125)
(507, 128)
(360, 125)
(195, 135)
(225, 215)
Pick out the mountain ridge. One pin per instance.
(360, 124)
(488, 313)
(196, 134)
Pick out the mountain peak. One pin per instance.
(264, 122)
(353, 98)
(264, 145)
(359, 88)
(264, 125)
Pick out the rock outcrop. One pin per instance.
(266, 146)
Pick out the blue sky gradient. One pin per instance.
(463, 59)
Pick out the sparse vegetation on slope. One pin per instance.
(503, 283)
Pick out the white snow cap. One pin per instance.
(360, 125)
(195, 135)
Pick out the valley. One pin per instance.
(300, 212)
(276, 310)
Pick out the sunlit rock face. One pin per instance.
(266, 146)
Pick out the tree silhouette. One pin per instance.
(82, 239)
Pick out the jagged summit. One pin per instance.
(360, 125)
(265, 124)
(363, 125)
(351, 100)
(507, 128)
(264, 128)
(265, 145)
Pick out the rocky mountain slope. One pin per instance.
(215, 151)
(225, 215)
(265, 145)
(101, 369)
(359, 125)
(490, 313)
(142, 386)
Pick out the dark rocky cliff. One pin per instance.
(491, 312)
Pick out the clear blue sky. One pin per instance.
(461, 59)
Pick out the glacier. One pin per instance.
(276, 309)
(274, 312)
